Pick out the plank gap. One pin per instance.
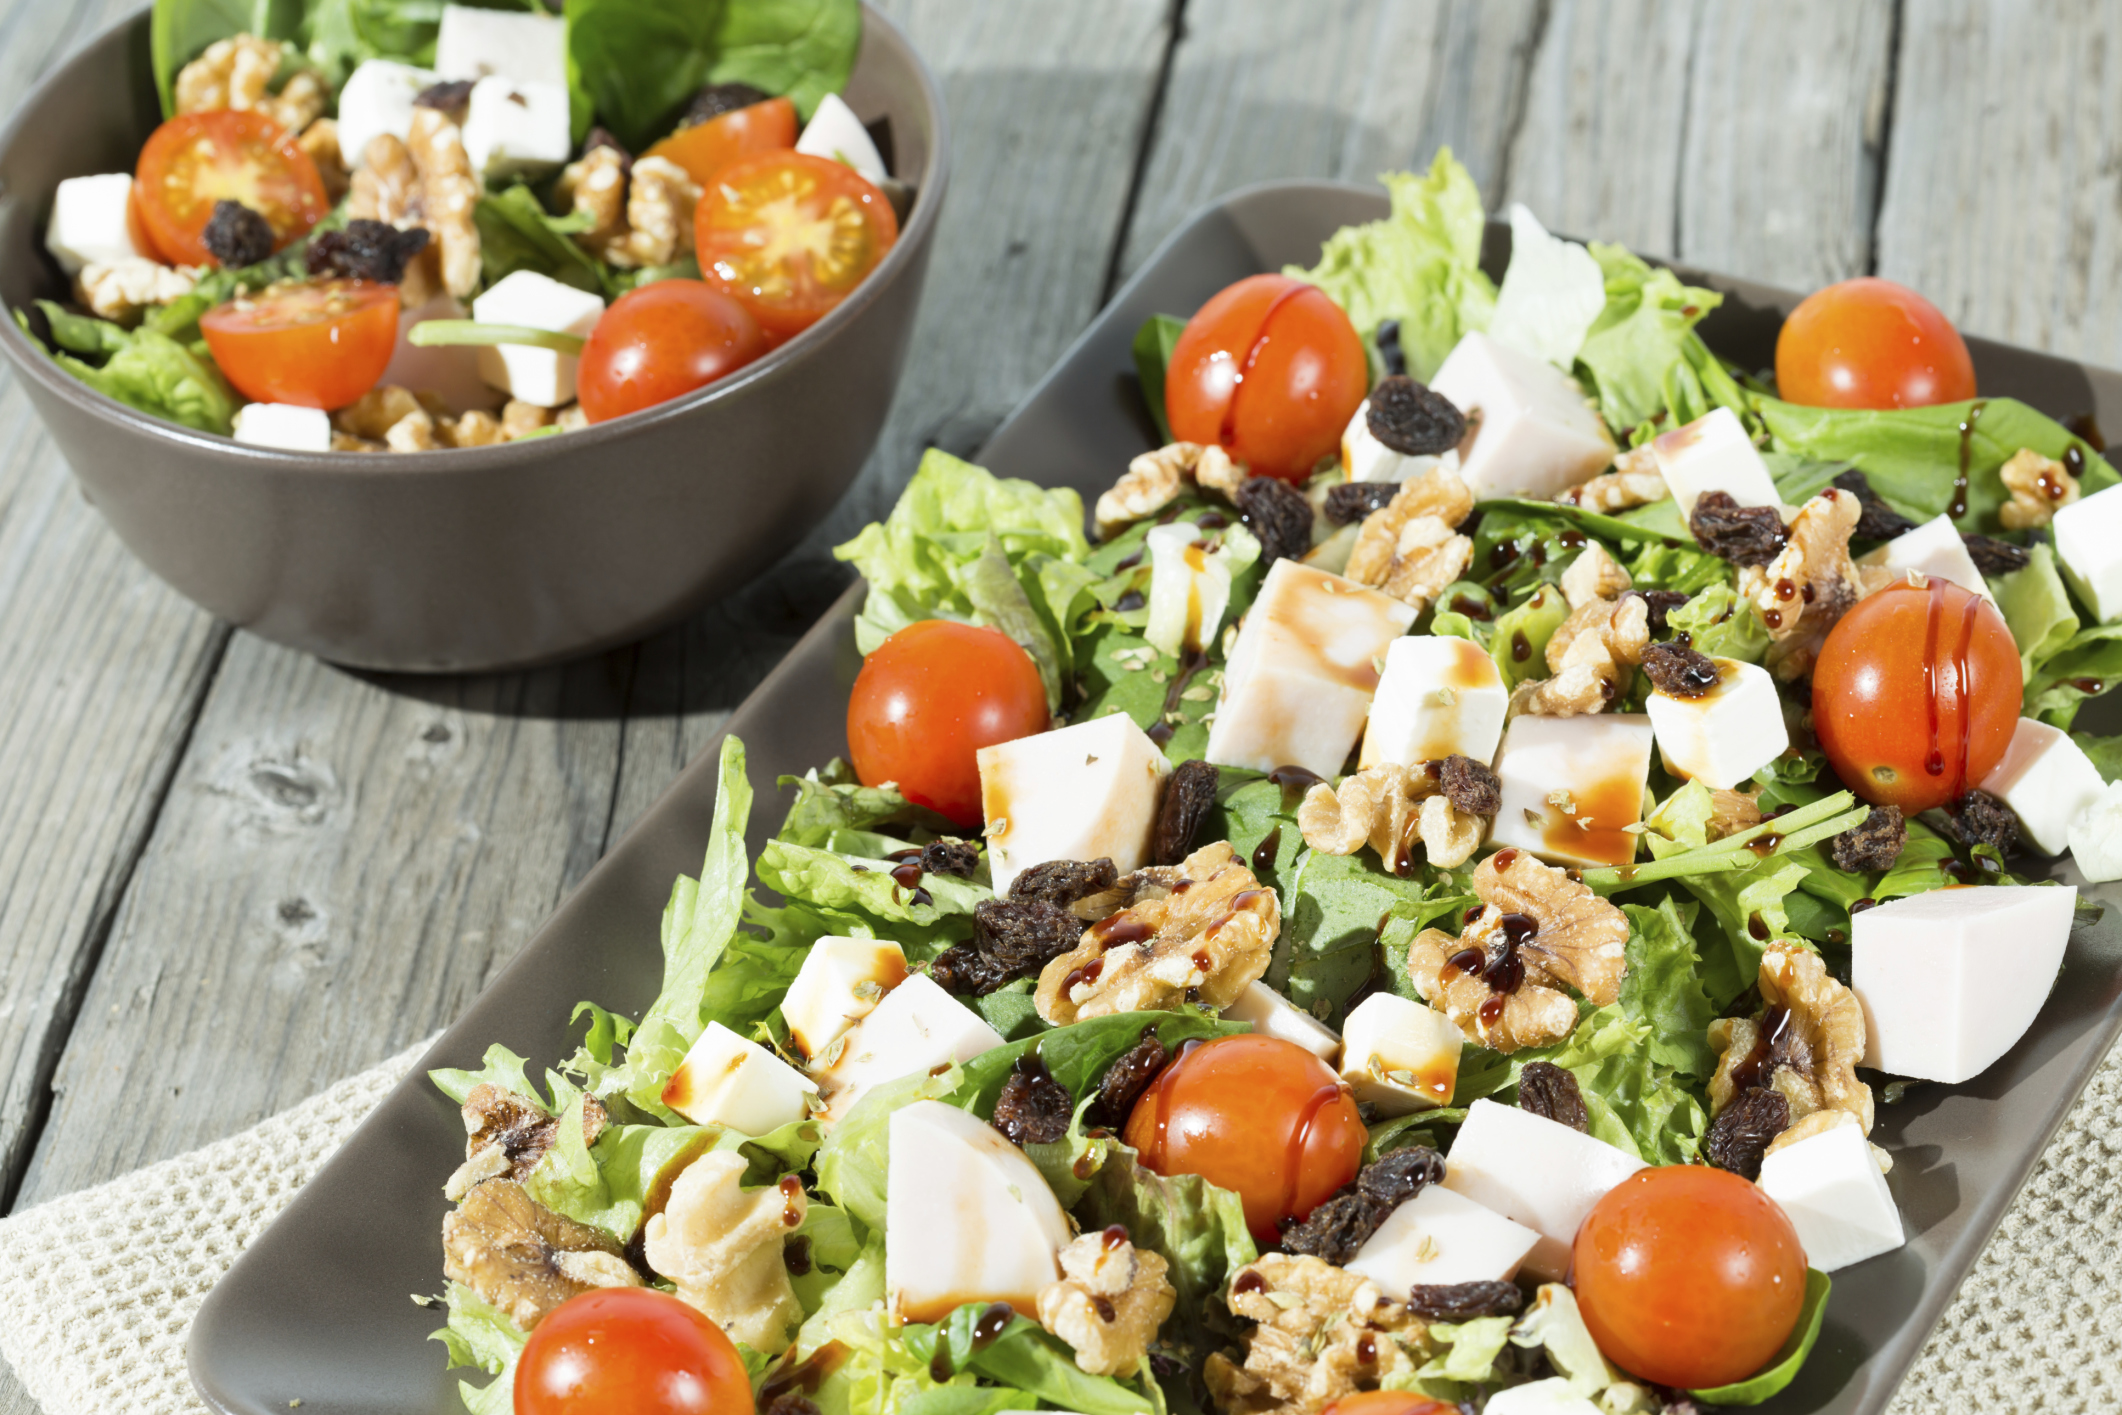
(1152, 119)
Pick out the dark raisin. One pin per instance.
(788, 1402)
(1387, 339)
(1879, 521)
(718, 99)
(1034, 1108)
(965, 971)
(1351, 501)
(1412, 419)
(950, 857)
(366, 250)
(1470, 786)
(604, 137)
(1335, 1230)
(1399, 1175)
(1127, 1078)
(236, 236)
(1063, 882)
(446, 97)
(1979, 818)
(1012, 938)
(1189, 795)
(1546, 1089)
(1278, 514)
(1993, 556)
(1679, 671)
(1739, 1136)
(1463, 1301)
(1744, 535)
(795, 1255)
(1660, 603)
(1875, 844)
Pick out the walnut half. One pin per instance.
(1110, 1301)
(524, 1258)
(1322, 1333)
(508, 1134)
(1154, 480)
(1410, 547)
(722, 1245)
(2039, 486)
(1391, 808)
(1806, 1044)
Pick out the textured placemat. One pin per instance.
(98, 1288)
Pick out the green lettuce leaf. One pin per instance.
(1022, 1357)
(1153, 355)
(1519, 646)
(833, 800)
(502, 1068)
(1719, 624)
(1640, 337)
(1662, 988)
(850, 884)
(2037, 610)
(2086, 664)
(1635, 1104)
(482, 1336)
(2105, 752)
(141, 368)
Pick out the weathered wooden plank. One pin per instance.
(2004, 170)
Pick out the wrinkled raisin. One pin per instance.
(1351, 501)
(1873, 844)
(1546, 1089)
(366, 250)
(1463, 1301)
(1334, 1231)
(1128, 1077)
(1189, 795)
(1740, 1134)
(718, 99)
(1012, 938)
(446, 97)
(950, 857)
(1878, 520)
(965, 971)
(1412, 419)
(1387, 338)
(1470, 786)
(1679, 671)
(1660, 603)
(1034, 1108)
(236, 236)
(1979, 818)
(1993, 556)
(1063, 882)
(1744, 535)
(1278, 515)
(1399, 1175)
(795, 1255)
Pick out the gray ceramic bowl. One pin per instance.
(486, 557)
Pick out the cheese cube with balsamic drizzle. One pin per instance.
(1724, 735)
(1399, 1055)
(1713, 453)
(841, 982)
(1189, 588)
(1077, 793)
(1933, 549)
(917, 1027)
(1529, 430)
(1439, 697)
(1572, 787)
(728, 1080)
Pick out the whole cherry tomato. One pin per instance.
(633, 1349)
(1916, 694)
(661, 341)
(704, 149)
(1256, 1115)
(791, 236)
(321, 345)
(1869, 343)
(1271, 370)
(1388, 1402)
(197, 159)
(1688, 1276)
(928, 699)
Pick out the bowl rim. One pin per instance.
(30, 357)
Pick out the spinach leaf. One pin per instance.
(180, 29)
(1153, 355)
(1796, 1347)
(516, 232)
(340, 35)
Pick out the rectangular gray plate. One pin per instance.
(317, 1310)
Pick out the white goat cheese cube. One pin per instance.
(1189, 588)
(1441, 1237)
(448, 370)
(90, 222)
(285, 426)
(1950, 980)
(1365, 458)
(1439, 697)
(1077, 793)
(727, 1080)
(1274, 1015)
(1302, 673)
(513, 128)
(1537, 1171)
(917, 1027)
(475, 43)
(1933, 549)
(841, 982)
(1572, 786)
(1400, 1055)
(378, 99)
(1533, 434)
(1831, 1188)
(1713, 453)
(1726, 735)
(1553, 1396)
(834, 132)
(2089, 543)
(2048, 782)
(967, 1217)
(2096, 837)
(541, 376)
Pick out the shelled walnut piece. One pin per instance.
(507, 1134)
(389, 418)
(1391, 808)
(121, 291)
(1154, 480)
(723, 1247)
(1806, 1045)
(1634, 481)
(1110, 1301)
(237, 73)
(1590, 659)
(524, 1258)
(1804, 592)
(641, 213)
(2039, 486)
(1321, 1333)
(1410, 547)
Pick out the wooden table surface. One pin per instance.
(230, 874)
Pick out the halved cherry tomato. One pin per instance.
(319, 346)
(197, 159)
(1256, 1115)
(791, 236)
(633, 1349)
(660, 341)
(1388, 1402)
(704, 149)
(1688, 1276)
(1869, 343)
(1271, 370)
(1916, 694)
(928, 699)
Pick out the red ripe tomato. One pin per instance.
(321, 345)
(791, 236)
(1916, 694)
(1256, 1115)
(704, 149)
(1688, 1276)
(1388, 1402)
(1869, 343)
(1271, 370)
(928, 699)
(633, 1349)
(660, 341)
(197, 159)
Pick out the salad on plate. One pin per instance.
(1412, 905)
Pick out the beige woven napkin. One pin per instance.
(98, 1288)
